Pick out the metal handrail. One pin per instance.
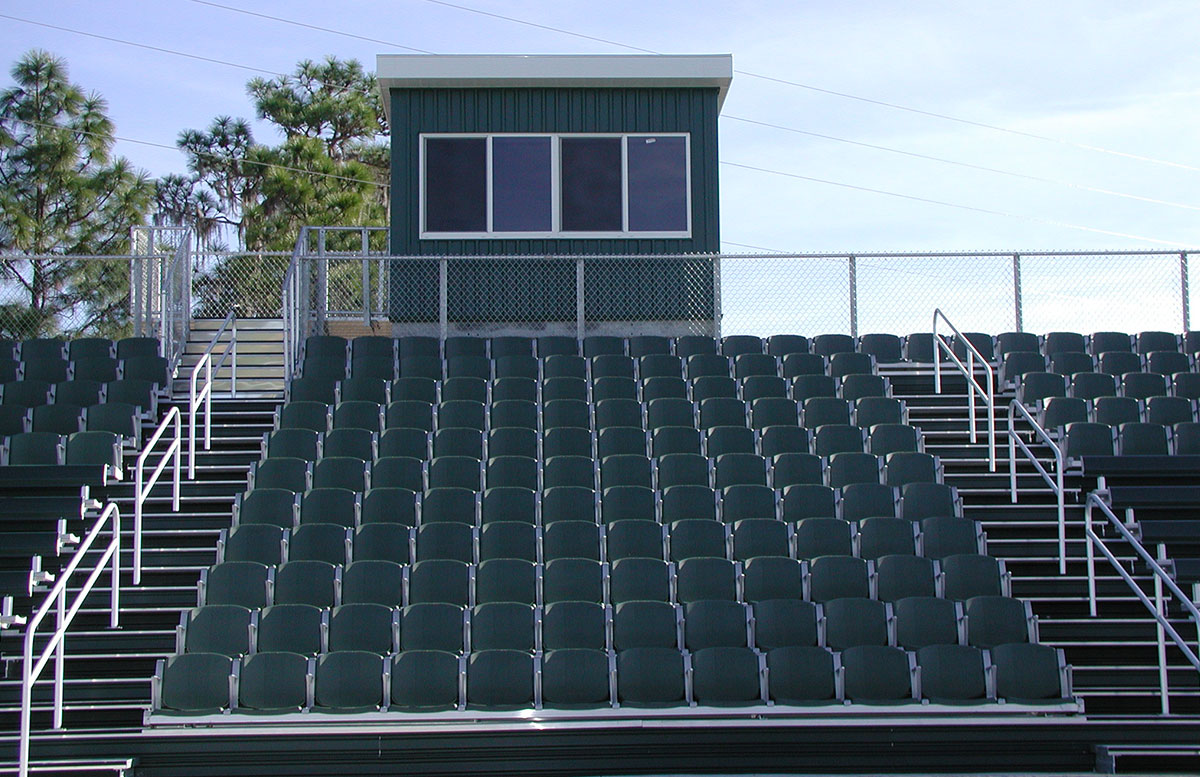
(1161, 579)
(1055, 482)
(205, 394)
(968, 371)
(30, 671)
(144, 488)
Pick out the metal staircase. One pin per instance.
(260, 370)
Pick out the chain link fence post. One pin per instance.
(852, 264)
(1020, 327)
(1184, 291)
(580, 300)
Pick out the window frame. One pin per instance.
(556, 231)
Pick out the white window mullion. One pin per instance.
(625, 185)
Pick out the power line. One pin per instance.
(959, 206)
(968, 165)
(844, 95)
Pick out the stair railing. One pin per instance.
(1055, 481)
(1158, 607)
(56, 600)
(203, 395)
(974, 390)
(144, 487)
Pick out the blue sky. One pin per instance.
(1112, 75)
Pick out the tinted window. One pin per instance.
(657, 184)
(521, 184)
(591, 184)
(456, 184)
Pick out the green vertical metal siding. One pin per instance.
(613, 293)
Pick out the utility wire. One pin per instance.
(834, 93)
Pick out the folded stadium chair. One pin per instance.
(667, 440)
(904, 467)
(824, 411)
(635, 539)
(792, 469)
(152, 368)
(785, 623)
(651, 677)
(273, 506)
(886, 439)
(620, 503)
(1089, 385)
(453, 541)
(843, 365)
(25, 393)
(947, 535)
(260, 542)
(567, 441)
(869, 500)
(619, 412)
(1057, 412)
(801, 676)
(1143, 439)
(296, 628)
(57, 418)
(303, 389)
(224, 629)
(1186, 384)
(46, 370)
(758, 387)
(1016, 341)
(475, 366)
(516, 471)
(1070, 362)
(344, 472)
(326, 542)
(685, 502)
(697, 538)
(774, 577)
(404, 441)
(850, 467)
(663, 388)
(737, 345)
(829, 344)
(563, 368)
(1143, 385)
(838, 577)
(610, 365)
(348, 681)
(755, 364)
(1148, 342)
(775, 440)
(885, 348)
(557, 345)
(389, 505)
(330, 505)
(722, 411)
(457, 346)
(193, 684)
(440, 580)
(998, 620)
(706, 365)
(566, 413)
(576, 678)
(755, 537)
(503, 626)
(919, 348)
(1100, 342)
(1119, 362)
(419, 366)
(713, 623)
(646, 623)
(508, 539)
(690, 345)
(649, 345)
(739, 469)
(856, 621)
(303, 414)
(659, 365)
(640, 579)
(670, 412)
(14, 419)
(116, 417)
(823, 537)
(569, 625)
(244, 583)
(773, 411)
(620, 441)
(373, 347)
(513, 441)
(709, 386)
(398, 472)
(574, 580)
(1089, 439)
(952, 674)
(928, 620)
(576, 471)
(1063, 342)
(601, 345)
(458, 441)
(508, 504)
(1035, 386)
(99, 368)
(572, 539)
(870, 411)
(883, 536)
(856, 386)
(1030, 674)
(970, 575)
(1168, 362)
(415, 389)
(982, 342)
(373, 581)
(363, 626)
(1168, 410)
(383, 542)
(433, 626)
(273, 683)
(806, 501)
(925, 500)
(720, 440)
(519, 371)
(782, 345)
(360, 415)
(796, 364)
(614, 388)
(568, 503)
(899, 577)
(1016, 364)
(877, 674)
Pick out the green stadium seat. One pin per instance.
(927, 620)
(362, 626)
(801, 675)
(424, 680)
(433, 626)
(348, 681)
